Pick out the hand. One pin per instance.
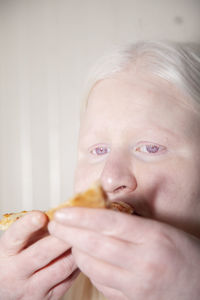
(33, 264)
(129, 257)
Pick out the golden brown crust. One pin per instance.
(94, 197)
(8, 219)
(122, 206)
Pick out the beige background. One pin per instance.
(46, 49)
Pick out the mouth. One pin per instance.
(136, 214)
(122, 207)
(125, 207)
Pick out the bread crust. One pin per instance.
(94, 197)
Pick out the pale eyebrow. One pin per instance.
(154, 128)
(85, 140)
(98, 137)
(168, 131)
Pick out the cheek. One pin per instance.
(158, 187)
(175, 194)
(85, 176)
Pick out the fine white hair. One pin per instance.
(178, 63)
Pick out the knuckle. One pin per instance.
(66, 266)
(154, 272)
(155, 264)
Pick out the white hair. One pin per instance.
(178, 63)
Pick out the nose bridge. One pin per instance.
(118, 173)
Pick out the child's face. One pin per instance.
(140, 138)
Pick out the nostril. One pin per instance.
(120, 188)
(123, 187)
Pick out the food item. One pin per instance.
(94, 197)
(8, 219)
(122, 206)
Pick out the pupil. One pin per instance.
(152, 148)
(101, 150)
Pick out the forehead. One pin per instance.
(125, 101)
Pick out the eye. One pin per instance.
(100, 150)
(150, 148)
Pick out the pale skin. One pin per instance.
(140, 139)
(33, 264)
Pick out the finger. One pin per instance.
(105, 248)
(56, 272)
(17, 236)
(100, 272)
(40, 254)
(41, 233)
(127, 227)
(60, 289)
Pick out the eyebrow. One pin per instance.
(87, 138)
(164, 129)
(160, 128)
(150, 128)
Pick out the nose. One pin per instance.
(117, 177)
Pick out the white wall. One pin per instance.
(46, 48)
